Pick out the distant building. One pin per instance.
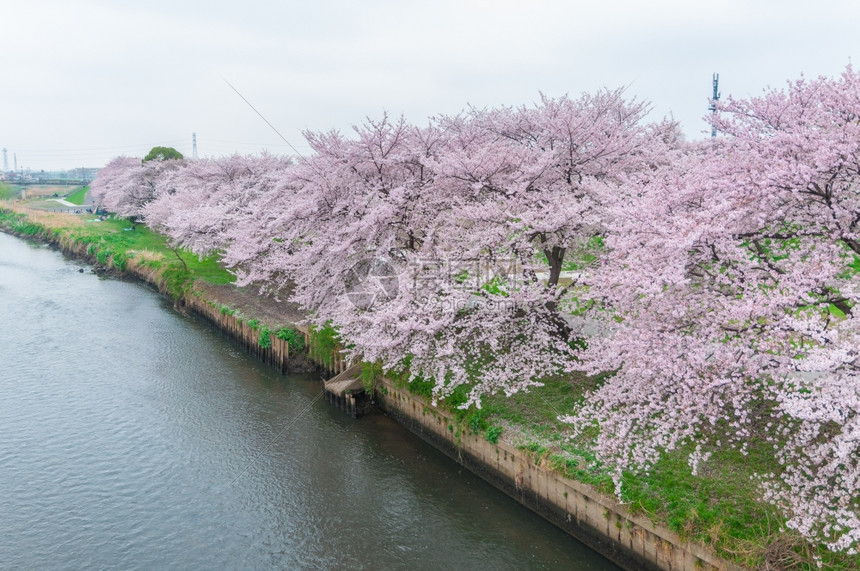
(83, 174)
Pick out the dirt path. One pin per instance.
(247, 302)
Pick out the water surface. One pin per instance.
(132, 436)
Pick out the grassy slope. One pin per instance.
(117, 241)
(7, 192)
(719, 508)
(78, 196)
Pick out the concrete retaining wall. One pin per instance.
(247, 337)
(595, 519)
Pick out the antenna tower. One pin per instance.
(194, 145)
(713, 106)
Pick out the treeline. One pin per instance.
(498, 247)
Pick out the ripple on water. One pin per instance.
(133, 437)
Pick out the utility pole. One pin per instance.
(194, 146)
(713, 106)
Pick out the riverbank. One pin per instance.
(670, 519)
(137, 437)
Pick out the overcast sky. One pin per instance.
(84, 81)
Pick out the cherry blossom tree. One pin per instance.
(528, 190)
(731, 283)
(110, 179)
(354, 204)
(471, 217)
(721, 302)
(126, 186)
(206, 208)
(805, 141)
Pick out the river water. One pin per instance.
(132, 436)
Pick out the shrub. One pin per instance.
(265, 339)
(493, 434)
(294, 339)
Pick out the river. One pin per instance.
(135, 437)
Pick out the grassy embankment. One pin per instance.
(719, 507)
(116, 243)
(78, 196)
(7, 191)
(119, 244)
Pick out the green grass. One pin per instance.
(119, 236)
(7, 191)
(116, 241)
(324, 344)
(78, 196)
(720, 507)
(265, 339)
(20, 223)
(293, 337)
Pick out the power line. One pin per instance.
(284, 139)
(251, 143)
